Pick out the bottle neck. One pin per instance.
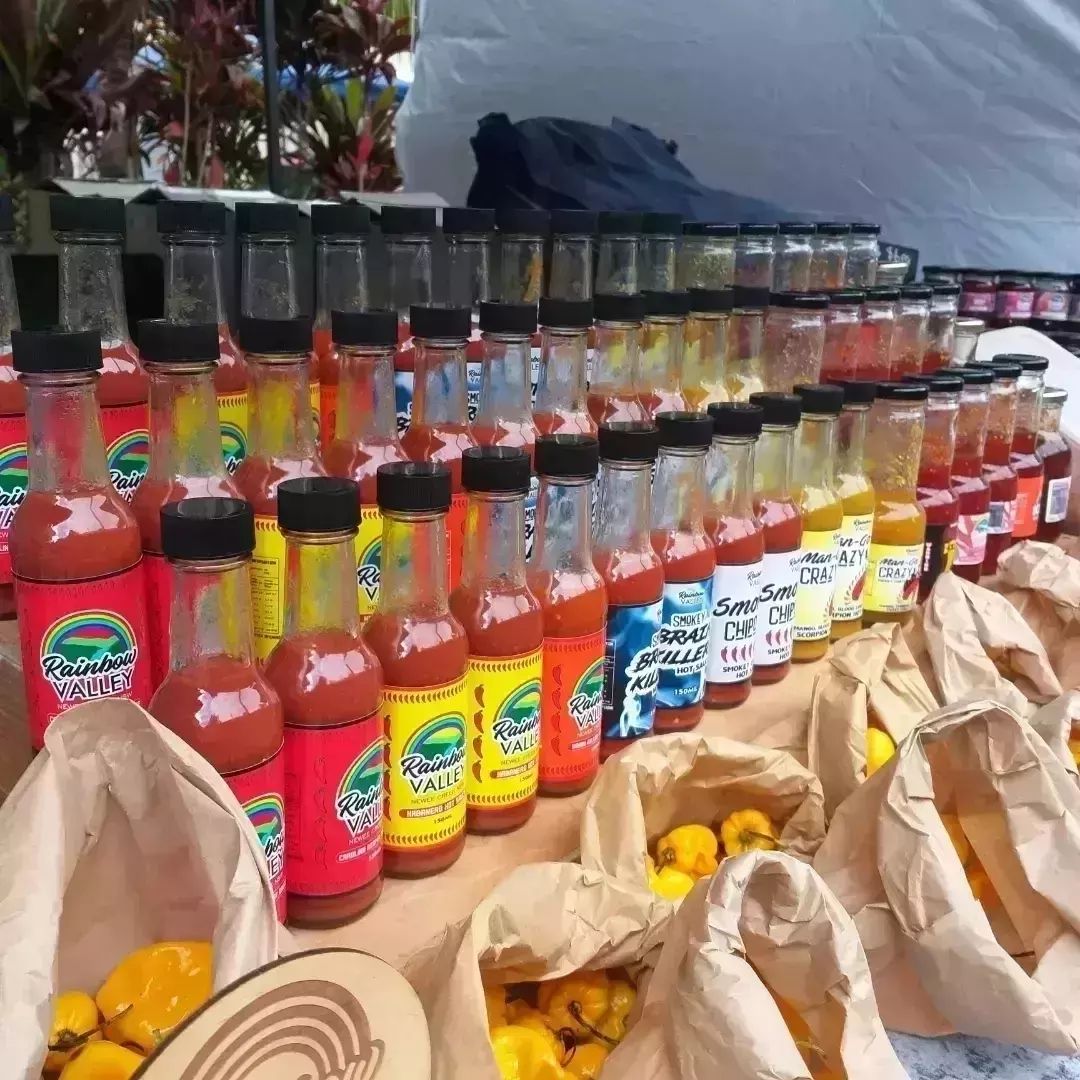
(616, 356)
(504, 381)
(1050, 418)
(413, 571)
(624, 510)
(617, 264)
(494, 540)
(894, 438)
(851, 441)
(571, 268)
(773, 462)
(563, 525)
(211, 612)
(92, 288)
(658, 261)
(320, 590)
(468, 261)
(561, 384)
(439, 383)
(1001, 426)
(408, 266)
(939, 441)
(679, 490)
(817, 451)
(194, 290)
(9, 301)
(971, 432)
(730, 473)
(341, 277)
(1029, 390)
(661, 353)
(521, 274)
(268, 284)
(279, 407)
(365, 406)
(65, 448)
(184, 436)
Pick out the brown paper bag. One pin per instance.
(937, 963)
(669, 780)
(763, 922)
(118, 835)
(544, 921)
(872, 672)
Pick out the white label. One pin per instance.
(1057, 498)
(1002, 517)
(817, 576)
(736, 591)
(776, 608)
(852, 553)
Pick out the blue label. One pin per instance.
(403, 392)
(682, 649)
(630, 670)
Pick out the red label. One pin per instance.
(327, 412)
(261, 792)
(1026, 514)
(334, 803)
(977, 303)
(572, 698)
(12, 483)
(455, 533)
(127, 445)
(82, 641)
(158, 608)
(971, 530)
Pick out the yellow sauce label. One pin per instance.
(232, 417)
(503, 726)
(852, 553)
(892, 577)
(369, 559)
(815, 577)
(425, 764)
(267, 584)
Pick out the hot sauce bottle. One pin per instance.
(878, 328)
(634, 579)
(843, 335)
(560, 392)
(522, 234)
(365, 433)
(778, 511)
(1056, 457)
(998, 471)
(618, 252)
(91, 237)
(340, 232)
(941, 329)
(505, 627)
(911, 332)
(75, 553)
(563, 578)
(193, 239)
(613, 389)
(283, 445)
(570, 269)
(822, 511)
(893, 448)
(971, 490)
(185, 453)
(424, 654)
(661, 357)
(215, 697)
(440, 429)
(689, 561)
(857, 496)
(745, 363)
(1030, 475)
(330, 685)
(12, 412)
(708, 335)
(739, 539)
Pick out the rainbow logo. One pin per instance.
(13, 481)
(90, 654)
(434, 757)
(359, 797)
(586, 702)
(369, 570)
(267, 817)
(128, 459)
(233, 445)
(516, 727)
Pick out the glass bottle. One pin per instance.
(778, 512)
(561, 405)
(911, 333)
(283, 445)
(794, 340)
(185, 453)
(843, 335)
(707, 258)
(688, 557)
(522, 237)
(857, 497)
(863, 255)
(941, 329)
(661, 234)
(705, 352)
(972, 491)
(966, 337)
(746, 353)
(998, 471)
(330, 687)
(618, 253)
(75, 550)
(1056, 457)
(893, 447)
(794, 250)
(193, 240)
(505, 627)
(828, 263)
(878, 329)
(739, 541)
(440, 429)
(613, 393)
(661, 359)
(424, 654)
(365, 434)
(12, 411)
(215, 697)
(755, 254)
(634, 579)
(570, 274)
(1030, 475)
(90, 233)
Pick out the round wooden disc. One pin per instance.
(331, 1014)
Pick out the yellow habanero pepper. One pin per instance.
(102, 1061)
(748, 830)
(74, 1023)
(587, 1061)
(153, 989)
(577, 1002)
(623, 996)
(523, 1054)
(495, 1004)
(522, 1014)
(879, 748)
(669, 883)
(689, 848)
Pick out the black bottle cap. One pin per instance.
(41, 352)
(1027, 361)
(807, 301)
(847, 296)
(413, 487)
(654, 223)
(507, 317)
(883, 293)
(901, 391)
(7, 217)
(865, 228)
(275, 336)
(916, 292)
(685, 429)
(467, 221)
(751, 297)
(522, 221)
(856, 391)
(435, 321)
(619, 223)
(673, 303)
(205, 529)
(619, 307)
(69, 213)
(407, 220)
(833, 228)
(628, 441)
(973, 374)
(736, 419)
(709, 228)
(267, 219)
(374, 327)
(573, 222)
(944, 288)
(712, 301)
(318, 504)
(569, 457)
(778, 410)
(565, 314)
(163, 342)
(1005, 367)
(820, 399)
(797, 228)
(340, 219)
(751, 228)
(938, 382)
(495, 468)
(183, 216)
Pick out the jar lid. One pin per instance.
(619, 307)
(712, 301)
(507, 317)
(628, 441)
(275, 336)
(1026, 361)
(709, 228)
(736, 419)
(413, 487)
(467, 221)
(523, 221)
(618, 222)
(856, 391)
(340, 219)
(972, 326)
(900, 391)
(568, 314)
(750, 297)
(944, 288)
(504, 469)
(778, 410)
(820, 399)
(674, 303)
(685, 429)
(267, 218)
(865, 228)
(1014, 278)
(573, 222)
(318, 504)
(882, 293)
(45, 352)
(372, 327)
(805, 300)
(436, 321)
(973, 374)
(407, 220)
(163, 342)
(846, 296)
(205, 529)
(750, 228)
(569, 457)
(916, 292)
(191, 216)
(1055, 395)
(833, 228)
(91, 214)
(797, 228)
(658, 224)
(938, 382)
